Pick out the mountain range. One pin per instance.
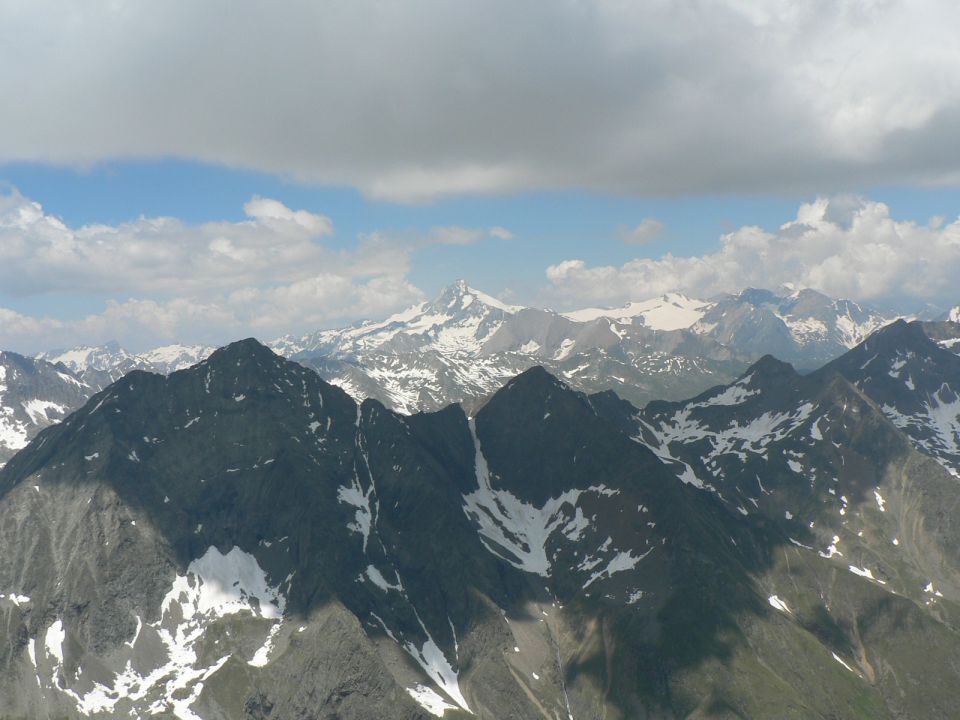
(99, 366)
(242, 539)
(465, 344)
(37, 392)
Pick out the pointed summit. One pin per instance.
(459, 296)
(532, 396)
(896, 344)
(240, 349)
(536, 380)
(768, 369)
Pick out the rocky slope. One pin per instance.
(33, 395)
(952, 315)
(101, 365)
(915, 382)
(945, 333)
(803, 327)
(242, 540)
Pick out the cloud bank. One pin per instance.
(164, 280)
(845, 246)
(277, 271)
(663, 97)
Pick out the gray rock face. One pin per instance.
(805, 327)
(945, 333)
(33, 395)
(915, 382)
(243, 540)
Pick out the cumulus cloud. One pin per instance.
(648, 230)
(39, 253)
(415, 100)
(844, 246)
(162, 280)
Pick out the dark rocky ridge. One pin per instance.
(627, 592)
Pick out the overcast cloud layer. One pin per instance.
(414, 100)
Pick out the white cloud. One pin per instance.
(455, 235)
(267, 211)
(39, 253)
(416, 100)
(163, 280)
(845, 246)
(501, 233)
(648, 230)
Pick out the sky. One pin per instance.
(199, 172)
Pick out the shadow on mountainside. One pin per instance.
(247, 448)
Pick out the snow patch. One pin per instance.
(832, 549)
(430, 700)
(778, 604)
(865, 573)
(672, 311)
(435, 664)
(840, 660)
(38, 410)
(880, 500)
(214, 586)
(516, 531)
(53, 640)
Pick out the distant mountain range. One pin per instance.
(465, 344)
(241, 539)
(36, 392)
(99, 366)
(33, 395)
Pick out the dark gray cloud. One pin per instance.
(414, 100)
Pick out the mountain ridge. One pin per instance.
(566, 520)
(464, 344)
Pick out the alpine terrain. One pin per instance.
(241, 539)
(465, 344)
(100, 366)
(33, 395)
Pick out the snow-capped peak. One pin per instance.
(460, 296)
(83, 357)
(954, 314)
(458, 321)
(170, 358)
(111, 356)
